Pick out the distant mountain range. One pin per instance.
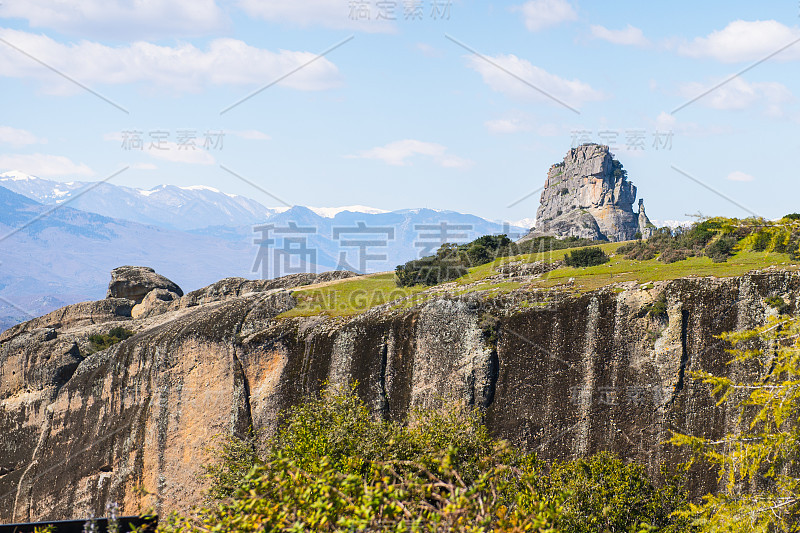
(59, 241)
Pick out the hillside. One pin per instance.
(520, 337)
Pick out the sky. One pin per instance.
(402, 104)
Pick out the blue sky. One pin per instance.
(401, 113)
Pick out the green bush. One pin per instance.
(762, 240)
(586, 257)
(778, 303)
(452, 261)
(332, 466)
(607, 495)
(101, 341)
(722, 248)
(657, 309)
(673, 255)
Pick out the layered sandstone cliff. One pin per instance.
(559, 372)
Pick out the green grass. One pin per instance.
(620, 269)
(350, 296)
(354, 296)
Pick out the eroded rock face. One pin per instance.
(588, 196)
(134, 282)
(156, 302)
(561, 373)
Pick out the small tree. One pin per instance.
(766, 452)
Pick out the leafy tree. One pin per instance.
(765, 453)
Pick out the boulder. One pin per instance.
(134, 282)
(156, 302)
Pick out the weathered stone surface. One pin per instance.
(588, 196)
(134, 282)
(234, 287)
(156, 302)
(74, 315)
(561, 373)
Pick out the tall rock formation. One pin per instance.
(588, 196)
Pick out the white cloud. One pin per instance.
(250, 135)
(398, 153)
(571, 92)
(144, 166)
(180, 68)
(18, 138)
(630, 36)
(44, 165)
(540, 14)
(336, 14)
(120, 19)
(739, 94)
(739, 176)
(506, 125)
(743, 40)
(172, 153)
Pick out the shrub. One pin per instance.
(237, 456)
(778, 303)
(334, 467)
(101, 341)
(452, 261)
(722, 248)
(762, 240)
(607, 495)
(585, 257)
(673, 255)
(657, 309)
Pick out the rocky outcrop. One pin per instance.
(588, 195)
(558, 372)
(134, 282)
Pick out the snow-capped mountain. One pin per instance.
(168, 206)
(54, 257)
(194, 235)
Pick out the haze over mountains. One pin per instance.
(59, 241)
